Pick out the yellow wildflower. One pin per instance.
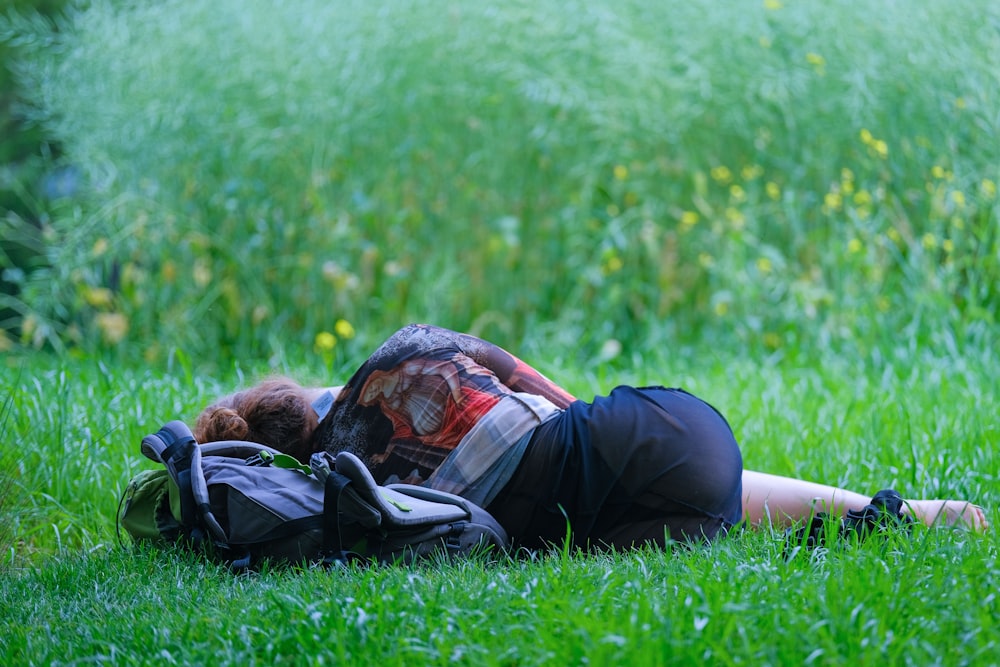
(721, 174)
(948, 245)
(773, 190)
(100, 247)
(929, 241)
(862, 198)
(854, 246)
(621, 172)
(113, 327)
(721, 308)
(878, 146)
(344, 329)
(988, 188)
(705, 260)
(817, 61)
(764, 265)
(325, 341)
(737, 193)
(98, 297)
(751, 172)
(833, 201)
(958, 198)
(937, 171)
(689, 219)
(772, 5)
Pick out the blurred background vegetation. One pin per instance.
(23, 154)
(228, 180)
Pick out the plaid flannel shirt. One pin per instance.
(486, 458)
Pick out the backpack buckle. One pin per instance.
(261, 458)
(453, 541)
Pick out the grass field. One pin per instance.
(789, 210)
(737, 603)
(921, 424)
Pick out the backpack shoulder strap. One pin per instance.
(399, 509)
(174, 446)
(237, 449)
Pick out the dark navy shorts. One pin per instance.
(640, 466)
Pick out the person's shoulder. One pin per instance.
(412, 340)
(423, 330)
(411, 329)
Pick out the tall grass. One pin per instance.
(782, 176)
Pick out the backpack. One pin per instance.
(247, 503)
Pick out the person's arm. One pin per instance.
(783, 500)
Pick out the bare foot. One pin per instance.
(948, 513)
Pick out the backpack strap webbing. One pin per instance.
(333, 545)
(175, 447)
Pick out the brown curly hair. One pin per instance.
(276, 413)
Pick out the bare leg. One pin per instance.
(784, 500)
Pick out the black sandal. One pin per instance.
(882, 514)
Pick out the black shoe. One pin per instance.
(883, 513)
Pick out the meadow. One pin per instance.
(72, 593)
(789, 210)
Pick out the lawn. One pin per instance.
(71, 593)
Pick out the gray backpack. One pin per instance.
(248, 503)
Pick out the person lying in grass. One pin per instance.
(459, 414)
